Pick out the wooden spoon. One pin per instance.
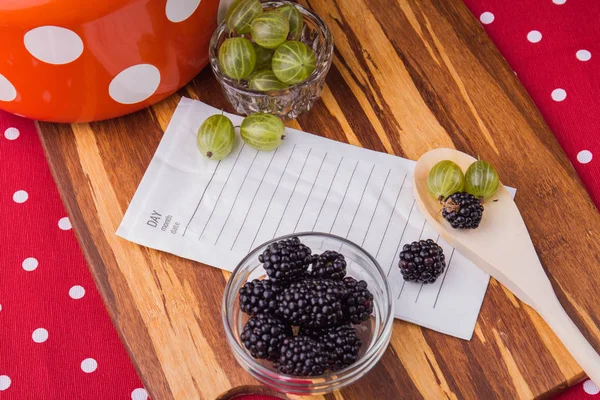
(502, 247)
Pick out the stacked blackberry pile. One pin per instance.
(308, 294)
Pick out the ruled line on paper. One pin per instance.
(287, 203)
(310, 192)
(202, 197)
(221, 191)
(337, 213)
(236, 196)
(328, 191)
(262, 179)
(272, 195)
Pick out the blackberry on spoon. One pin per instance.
(463, 210)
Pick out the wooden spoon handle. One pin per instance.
(559, 321)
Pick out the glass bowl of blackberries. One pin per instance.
(308, 313)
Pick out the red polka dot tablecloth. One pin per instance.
(56, 339)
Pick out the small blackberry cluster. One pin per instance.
(422, 261)
(308, 294)
(462, 210)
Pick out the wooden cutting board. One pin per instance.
(408, 76)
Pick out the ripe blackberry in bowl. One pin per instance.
(301, 356)
(422, 261)
(286, 260)
(463, 210)
(263, 335)
(374, 333)
(341, 343)
(258, 296)
(358, 301)
(329, 264)
(312, 302)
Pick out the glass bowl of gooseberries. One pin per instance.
(271, 57)
(261, 311)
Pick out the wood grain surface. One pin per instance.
(408, 76)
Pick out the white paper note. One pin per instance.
(215, 212)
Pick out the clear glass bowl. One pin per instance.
(374, 333)
(290, 102)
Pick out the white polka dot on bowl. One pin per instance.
(134, 84)
(7, 89)
(180, 10)
(559, 2)
(53, 44)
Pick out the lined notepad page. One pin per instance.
(215, 212)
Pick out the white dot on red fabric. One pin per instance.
(534, 36)
(559, 94)
(590, 387)
(139, 394)
(583, 55)
(29, 264)
(7, 89)
(584, 156)
(89, 365)
(4, 382)
(559, 2)
(180, 10)
(134, 84)
(11, 133)
(486, 17)
(40, 335)
(64, 223)
(76, 292)
(20, 196)
(53, 44)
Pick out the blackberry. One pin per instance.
(258, 296)
(422, 261)
(286, 260)
(358, 303)
(263, 335)
(315, 303)
(330, 264)
(463, 210)
(301, 356)
(340, 343)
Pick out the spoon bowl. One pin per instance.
(501, 246)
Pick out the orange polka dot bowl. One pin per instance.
(76, 61)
